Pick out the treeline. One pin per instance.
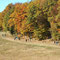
(38, 18)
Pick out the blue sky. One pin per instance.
(4, 3)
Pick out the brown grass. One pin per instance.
(19, 50)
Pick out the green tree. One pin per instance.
(6, 17)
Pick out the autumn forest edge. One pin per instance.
(38, 18)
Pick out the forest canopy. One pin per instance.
(38, 18)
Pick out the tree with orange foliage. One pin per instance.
(17, 17)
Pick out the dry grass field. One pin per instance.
(13, 50)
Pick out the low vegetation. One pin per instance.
(11, 50)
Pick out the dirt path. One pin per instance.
(31, 42)
(35, 42)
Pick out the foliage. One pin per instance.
(38, 18)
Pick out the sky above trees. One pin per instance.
(4, 3)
